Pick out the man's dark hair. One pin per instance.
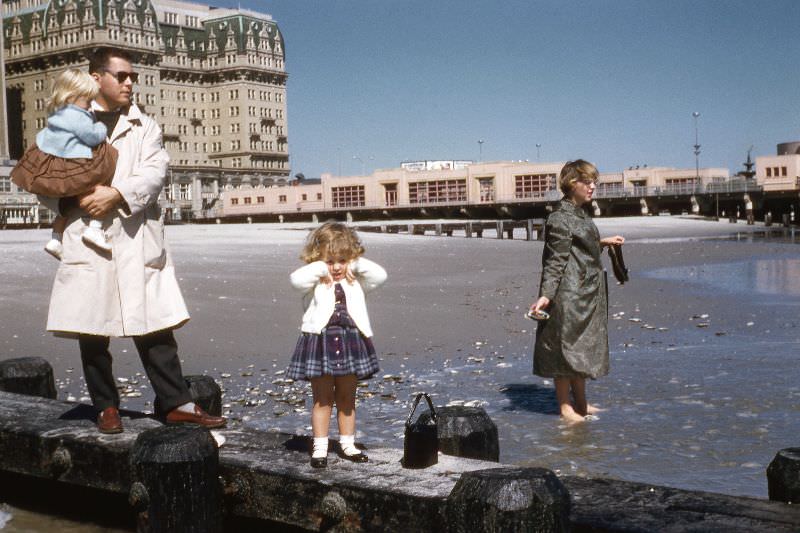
(99, 59)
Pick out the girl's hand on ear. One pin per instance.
(348, 274)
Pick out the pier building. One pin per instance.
(502, 188)
(780, 171)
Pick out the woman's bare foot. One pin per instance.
(593, 409)
(569, 415)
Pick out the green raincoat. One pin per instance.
(574, 341)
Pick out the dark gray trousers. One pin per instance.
(159, 354)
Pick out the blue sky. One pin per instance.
(614, 82)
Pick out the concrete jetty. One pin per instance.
(265, 477)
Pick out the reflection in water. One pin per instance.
(760, 276)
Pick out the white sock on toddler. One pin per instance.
(320, 447)
(348, 444)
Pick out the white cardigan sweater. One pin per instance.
(319, 298)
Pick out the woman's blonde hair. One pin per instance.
(70, 85)
(574, 171)
(332, 240)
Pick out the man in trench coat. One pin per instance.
(133, 291)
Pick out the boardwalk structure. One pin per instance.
(518, 189)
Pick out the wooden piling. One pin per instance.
(783, 476)
(32, 376)
(508, 499)
(466, 432)
(175, 474)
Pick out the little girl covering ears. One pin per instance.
(335, 348)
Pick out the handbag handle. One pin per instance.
(414, 407)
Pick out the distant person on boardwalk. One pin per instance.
(335, 348)
(133, 292)
(572, 344)
(70, 155)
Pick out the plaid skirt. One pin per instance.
(337, 351)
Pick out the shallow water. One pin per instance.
(704, 386)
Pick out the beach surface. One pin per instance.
(704, 386)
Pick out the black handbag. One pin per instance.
(618, 263)
(421, 444)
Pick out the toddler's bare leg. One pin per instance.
(322, 389)
(346, 404)
(59, 224)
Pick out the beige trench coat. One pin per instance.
(132, 291)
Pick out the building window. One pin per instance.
(783, 171)
(534, 185)
(609, 188)
(282, 199)
(439, 191)
(185, 191)
(348, 196)
(248, 200)
(304, 197)
(486, 188)
(259, 199)
(769, 172)
(234, 201)
(680, 184)
(319, 196)
(5, 184)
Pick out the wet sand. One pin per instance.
(704, 387)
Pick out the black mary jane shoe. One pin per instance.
(359, 457)
(319, 462)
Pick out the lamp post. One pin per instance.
(696, 115)
(538, 146)
(480, 150)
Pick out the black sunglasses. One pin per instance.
(122, 76)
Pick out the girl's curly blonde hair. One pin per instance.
(332, 240)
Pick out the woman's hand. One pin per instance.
(540, 304)
(616, 239)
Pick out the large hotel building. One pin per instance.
(213, 78)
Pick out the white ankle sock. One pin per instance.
(348, 444)
(95, 223)
(320, 447)
(186, 408)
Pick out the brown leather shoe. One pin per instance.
(199, 417)
(108, 421)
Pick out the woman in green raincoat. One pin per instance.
(572, 344)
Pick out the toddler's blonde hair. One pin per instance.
(70, 85)
(332, 240)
